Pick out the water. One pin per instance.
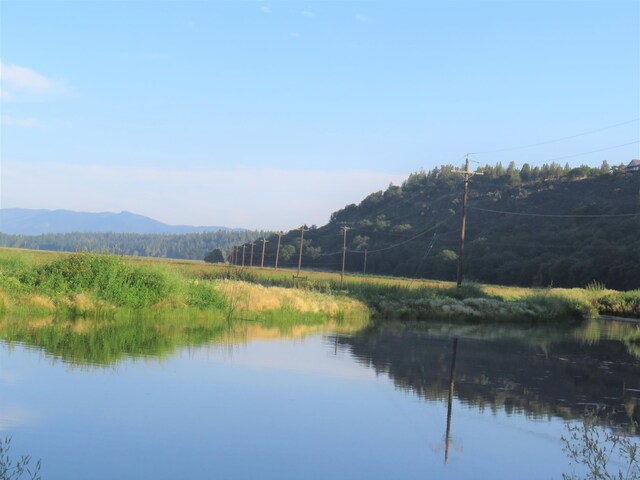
(310, 401)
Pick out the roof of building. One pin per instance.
(634, 163)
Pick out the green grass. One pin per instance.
(621, 304)
(99, 285)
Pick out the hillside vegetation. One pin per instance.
(534, 227)
(540, 227)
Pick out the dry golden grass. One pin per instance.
(257, 298)
(41, 303)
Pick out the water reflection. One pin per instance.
(537, 371)
(450, 401)
(102, 342)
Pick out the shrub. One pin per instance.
(202, 296)
(622, 304)
(108, 277)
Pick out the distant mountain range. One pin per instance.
(24, 221)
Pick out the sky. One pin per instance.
(271, 114)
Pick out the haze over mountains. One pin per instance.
(23, 221)
(535, 226)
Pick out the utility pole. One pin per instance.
(302, 230)
(467, 174)
(344, 251)
(278, 249)
(233, 252)
(264, 245)
(253, 244)
(244, 246)
(364, 270)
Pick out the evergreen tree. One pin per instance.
(215, 256)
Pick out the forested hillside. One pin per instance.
(187, 246)
(539, 226)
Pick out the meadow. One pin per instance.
(94, 285)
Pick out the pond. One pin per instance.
(173, 399)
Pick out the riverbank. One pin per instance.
(84, 285)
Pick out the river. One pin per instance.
(428, 400)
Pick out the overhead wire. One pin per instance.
(546, 142)
(424, 257)
(612, 147)
(403, 242)
(524, 214)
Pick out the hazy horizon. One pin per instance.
(268, 115)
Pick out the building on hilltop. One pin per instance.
(634, 166)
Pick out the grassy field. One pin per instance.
(45, 283)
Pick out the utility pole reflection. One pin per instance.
(449, 405)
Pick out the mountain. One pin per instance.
(23, 221)
(535, 226)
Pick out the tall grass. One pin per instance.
(81, 285)
(84, 284)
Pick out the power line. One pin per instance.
(605, 215)
(546, 142)
(426, 254)
(612, 147)
(403, 242)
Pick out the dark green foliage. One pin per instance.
(413, 230)
(468, 290)
(214, 256)
(108, 277)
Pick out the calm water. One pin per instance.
(303, 402)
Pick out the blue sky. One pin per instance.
(272, 114)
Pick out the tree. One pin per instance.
(215, 256)
(286, 252)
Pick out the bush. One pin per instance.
(202, 296)
(623, 304)
(108, 277)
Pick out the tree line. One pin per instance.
(182, 246)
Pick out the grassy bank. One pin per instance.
(83, 285)
(77, 285)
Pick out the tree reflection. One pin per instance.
(537, 371)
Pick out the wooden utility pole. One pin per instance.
(467, 174)
(244, 246)
(264, 245)
(233, 252)
(344, 251)
(278, 249)
(302, 230)
(253, 244)
(364, 270)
